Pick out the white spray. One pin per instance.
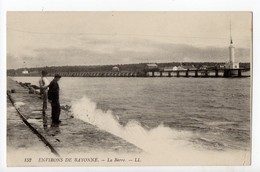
(158, 139)
(161, 142)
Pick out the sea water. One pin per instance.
(164, 114)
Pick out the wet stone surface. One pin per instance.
(71, 136)
(19, 136)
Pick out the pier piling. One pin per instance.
(239, 73)
(187, 73)
(216, 73)
(196, 73)
(178, 73)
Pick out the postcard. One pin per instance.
(128, 88)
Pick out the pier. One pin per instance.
(203, 73)
(214, 73)
(99, 74)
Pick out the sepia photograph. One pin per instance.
(128, 88)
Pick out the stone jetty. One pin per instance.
(27, 128)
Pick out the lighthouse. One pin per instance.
(231, 52)
(231, 64)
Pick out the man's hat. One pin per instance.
(57, 76)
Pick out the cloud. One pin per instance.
(101, 51)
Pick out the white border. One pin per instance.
(134, 5)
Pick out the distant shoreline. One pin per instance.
(138, 68)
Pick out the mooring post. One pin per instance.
(178, 73)
(169, 74)
(160, 73)
(152, 73)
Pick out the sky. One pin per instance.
(36, 39)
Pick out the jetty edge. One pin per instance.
(72, 135)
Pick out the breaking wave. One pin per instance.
(164, 144)
(159, 139)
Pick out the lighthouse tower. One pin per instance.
(231, 64)
(231, 52)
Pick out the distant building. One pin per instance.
(25, 72)
(192, 67)
(170, 68)
(204, 67)
(181, 68)
(152, 66)
(221, 66)
(34, 73)
(115, 69)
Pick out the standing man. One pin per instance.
(53, 96)
(44, 84)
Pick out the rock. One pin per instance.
(38, 91)
(31, 90)
(35, 87)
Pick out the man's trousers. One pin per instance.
(55, 111)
